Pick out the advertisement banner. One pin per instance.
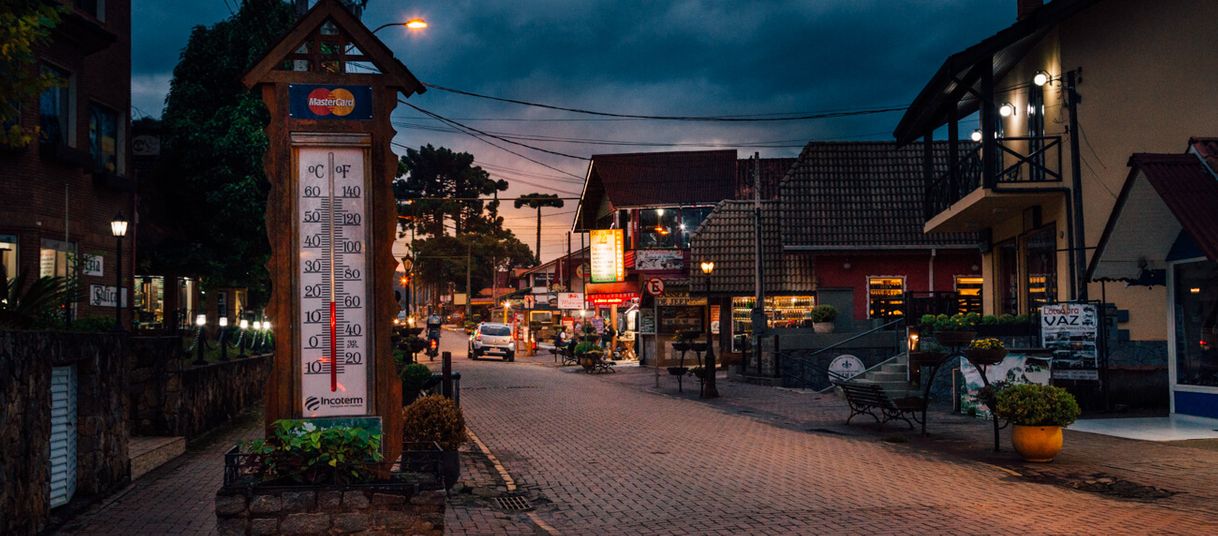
(317, 101)
(104, 296)
(1015, 368)
(657, 260)
(1071, 330)
(608, 265)
(570, 300)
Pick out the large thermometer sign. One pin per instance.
(332, 284)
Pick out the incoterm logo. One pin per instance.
(339, 102)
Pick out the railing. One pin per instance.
(1041, 163)
(805, 359)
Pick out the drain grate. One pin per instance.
(514, 503)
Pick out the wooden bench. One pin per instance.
(868, 399)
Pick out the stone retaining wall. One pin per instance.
(102, 465)
(329, 511)
(171, 397)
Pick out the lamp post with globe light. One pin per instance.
(708, 388)
(118, 228)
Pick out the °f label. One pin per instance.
(332, 274)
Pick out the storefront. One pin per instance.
(1164, 231)
(160, 306)
(780, 312)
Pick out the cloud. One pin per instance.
(148, 93)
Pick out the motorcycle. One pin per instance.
(433, 345)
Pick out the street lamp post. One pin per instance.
(223, 338)
(709, 389)
(412, 24)
(200, 339)
(118, 228)
(244, 326)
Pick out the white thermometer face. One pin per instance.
(333, 291)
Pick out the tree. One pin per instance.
(25, 26)
(440, 185)
(214, 145)
(536, 201)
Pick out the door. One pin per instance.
(63, 435)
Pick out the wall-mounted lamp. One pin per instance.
(1006, 110)
(1040, 78)
(976, 135)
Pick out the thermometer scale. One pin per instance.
(333, 298)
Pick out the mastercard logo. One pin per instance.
(339, 102)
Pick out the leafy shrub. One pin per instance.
(587, 348)
(25, 304)
(824, 313)
(414, 375)
(304, 452)
(987, 343)
(93, 324)
(435, 418)
(1031, 404)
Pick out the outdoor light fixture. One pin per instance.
(1194, 290)
(659, 212)
(201, 320)
(708, 267)
(266, 325)
(1006, 110)
(416, 24)
(976, 135)
(258, 324)
(224, 321)
(118, 226)
(913, 341)
(243, 324)
(1040, 78)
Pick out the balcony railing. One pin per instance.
(1040, 162)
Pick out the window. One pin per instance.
(96, 8)
(8, 257)
(55, 108)
(659, 228)
(1040, 250)
(1196, 316)
(103, 138)
(1006, 268)
(968, 293)
(691, 219)
(886, 296)
(55, 258)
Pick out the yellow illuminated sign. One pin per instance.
(608, 264)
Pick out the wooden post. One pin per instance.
(330, 168)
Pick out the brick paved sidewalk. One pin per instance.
(177, 498)
(1111, 466)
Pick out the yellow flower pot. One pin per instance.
(1037, 443)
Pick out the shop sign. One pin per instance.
(314, 101)
(92, 265)
(647, 322)
(570, 300)
(656, 260)
(608, 264)
(1071, 330)
(845, 366)
(672, 298)
(104, 296)
(612, 298)
(1015, 368)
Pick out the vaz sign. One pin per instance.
(1071, 330)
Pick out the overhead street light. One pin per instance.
(416, 23)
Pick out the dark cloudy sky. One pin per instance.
(659, 58)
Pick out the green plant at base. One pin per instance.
(956, 322)
(1031, 404)
(587, 348)
(987, 343)
(824, 313)
(304, 452)
(435, 418)
(25, 305)
(415, 375)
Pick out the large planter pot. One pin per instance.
(677, 371)
(680, 346)
(955, 338)
(698, 347)
(1037, 443)
(588, 360)
(450, 466)
(985, 357)
(823, 327)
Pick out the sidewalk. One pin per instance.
(1174, 474)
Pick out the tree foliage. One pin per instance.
(25, 25)
(432, 173)
(537, 201)
(214, 145)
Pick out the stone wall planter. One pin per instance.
(371, 509)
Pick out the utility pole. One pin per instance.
(1079, 249)
(468, 276)
(758, 312)
(567, 271)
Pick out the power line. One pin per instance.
(492, 144)
(771, 144)
(772, 117)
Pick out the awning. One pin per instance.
(1163, 196)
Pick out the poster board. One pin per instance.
(1071, 331)
(606, 250)
(1015, 368)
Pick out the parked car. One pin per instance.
(490, 337)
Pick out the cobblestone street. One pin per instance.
(601, 455)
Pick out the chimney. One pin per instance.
(1026, 7)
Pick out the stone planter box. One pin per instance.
(368, 509)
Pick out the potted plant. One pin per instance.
(302, 452)
(1038, 413)
(436, 419)
(415, 377)
(985, 351)
(588, 353)
(684, 339)
(953, 330)
(823, 317)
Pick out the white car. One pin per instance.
(490, 337)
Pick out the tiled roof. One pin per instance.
(727, 238)
(1189, 191)
(666, 178)
(771, 172)
(861, 195)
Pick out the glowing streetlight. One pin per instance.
(414, 24)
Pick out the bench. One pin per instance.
(867, 399)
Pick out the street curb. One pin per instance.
(508, 481)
